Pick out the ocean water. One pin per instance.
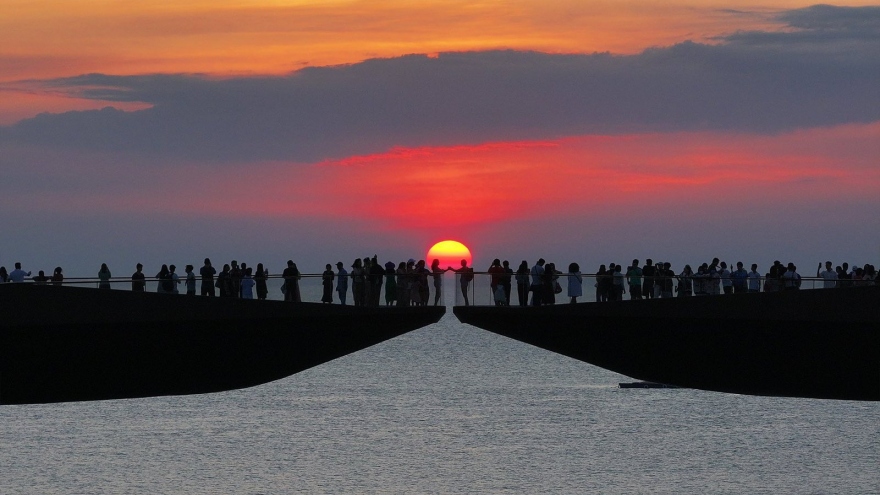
(445, 409)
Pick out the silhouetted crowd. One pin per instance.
(410, 283)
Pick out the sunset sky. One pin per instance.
(263, 130)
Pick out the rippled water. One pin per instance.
(445, 409)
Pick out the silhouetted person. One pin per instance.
(506, 281)
(685, 286)
(603, 284)
(358, 281)
(390, 284)
(207, 273)
(4, 275)
(423, 291)
(190, 280)
(466, 275)
(224, 282)
(667, 288)
(261, 278)
(791, 280)
(829, 276)
(164, 284)
(327, 283)
(496, 271)
(104, 277)
(634, 278)
(41, 278)
(438, 279)
(138, 280)
(57, 276)
(377, 275)
(18, 275)
(754, 279)
(175, 279)
(618, 282)
(247, 284)
(575, 282)
(341, 282)
(403, 284)
(536, 284)
(648, 284)
(289, 275)
(235, 275)
(522, 283)
(740, 279)
(550, 284)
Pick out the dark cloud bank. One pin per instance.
(825, 72)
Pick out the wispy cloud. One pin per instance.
(332, 112)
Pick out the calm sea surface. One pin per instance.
(445, 409)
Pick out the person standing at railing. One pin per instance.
(506, 281)
(341, 282)
(104, 277)
(403, 284)
(466, 276)
(791, 280)
(422, 274)
(739, 278)
(235, 275)
(754, 279)
(207, 273)
(175, 279)
(391, 284)
(57, 276)
(190, 280)
(634, 278)
(18, 275)
(648, 285)
(575, 282)
(667, 289)
(537, 287)
(618, 283)
(4, 276)
(41, 278)
(685, 282)
(138, 280)
(603, 284)
(327, 284)
(377, 276)
(548, 293)
(726, 282)
(260, 279)
(522, 283)
(224, 283)
(438, 279)
(828, 276)
(357, 282)
(495, 272)
(247, 284)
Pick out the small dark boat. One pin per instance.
(73, 344)
(644, 385)
(809, 343)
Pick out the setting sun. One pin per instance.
(450, 253)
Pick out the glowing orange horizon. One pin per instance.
(450, 253)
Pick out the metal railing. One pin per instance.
(482, 289)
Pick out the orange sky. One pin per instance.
(55, 38)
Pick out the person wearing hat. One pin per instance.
(341, 282)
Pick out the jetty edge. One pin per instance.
(822, 343)
(60, 344)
